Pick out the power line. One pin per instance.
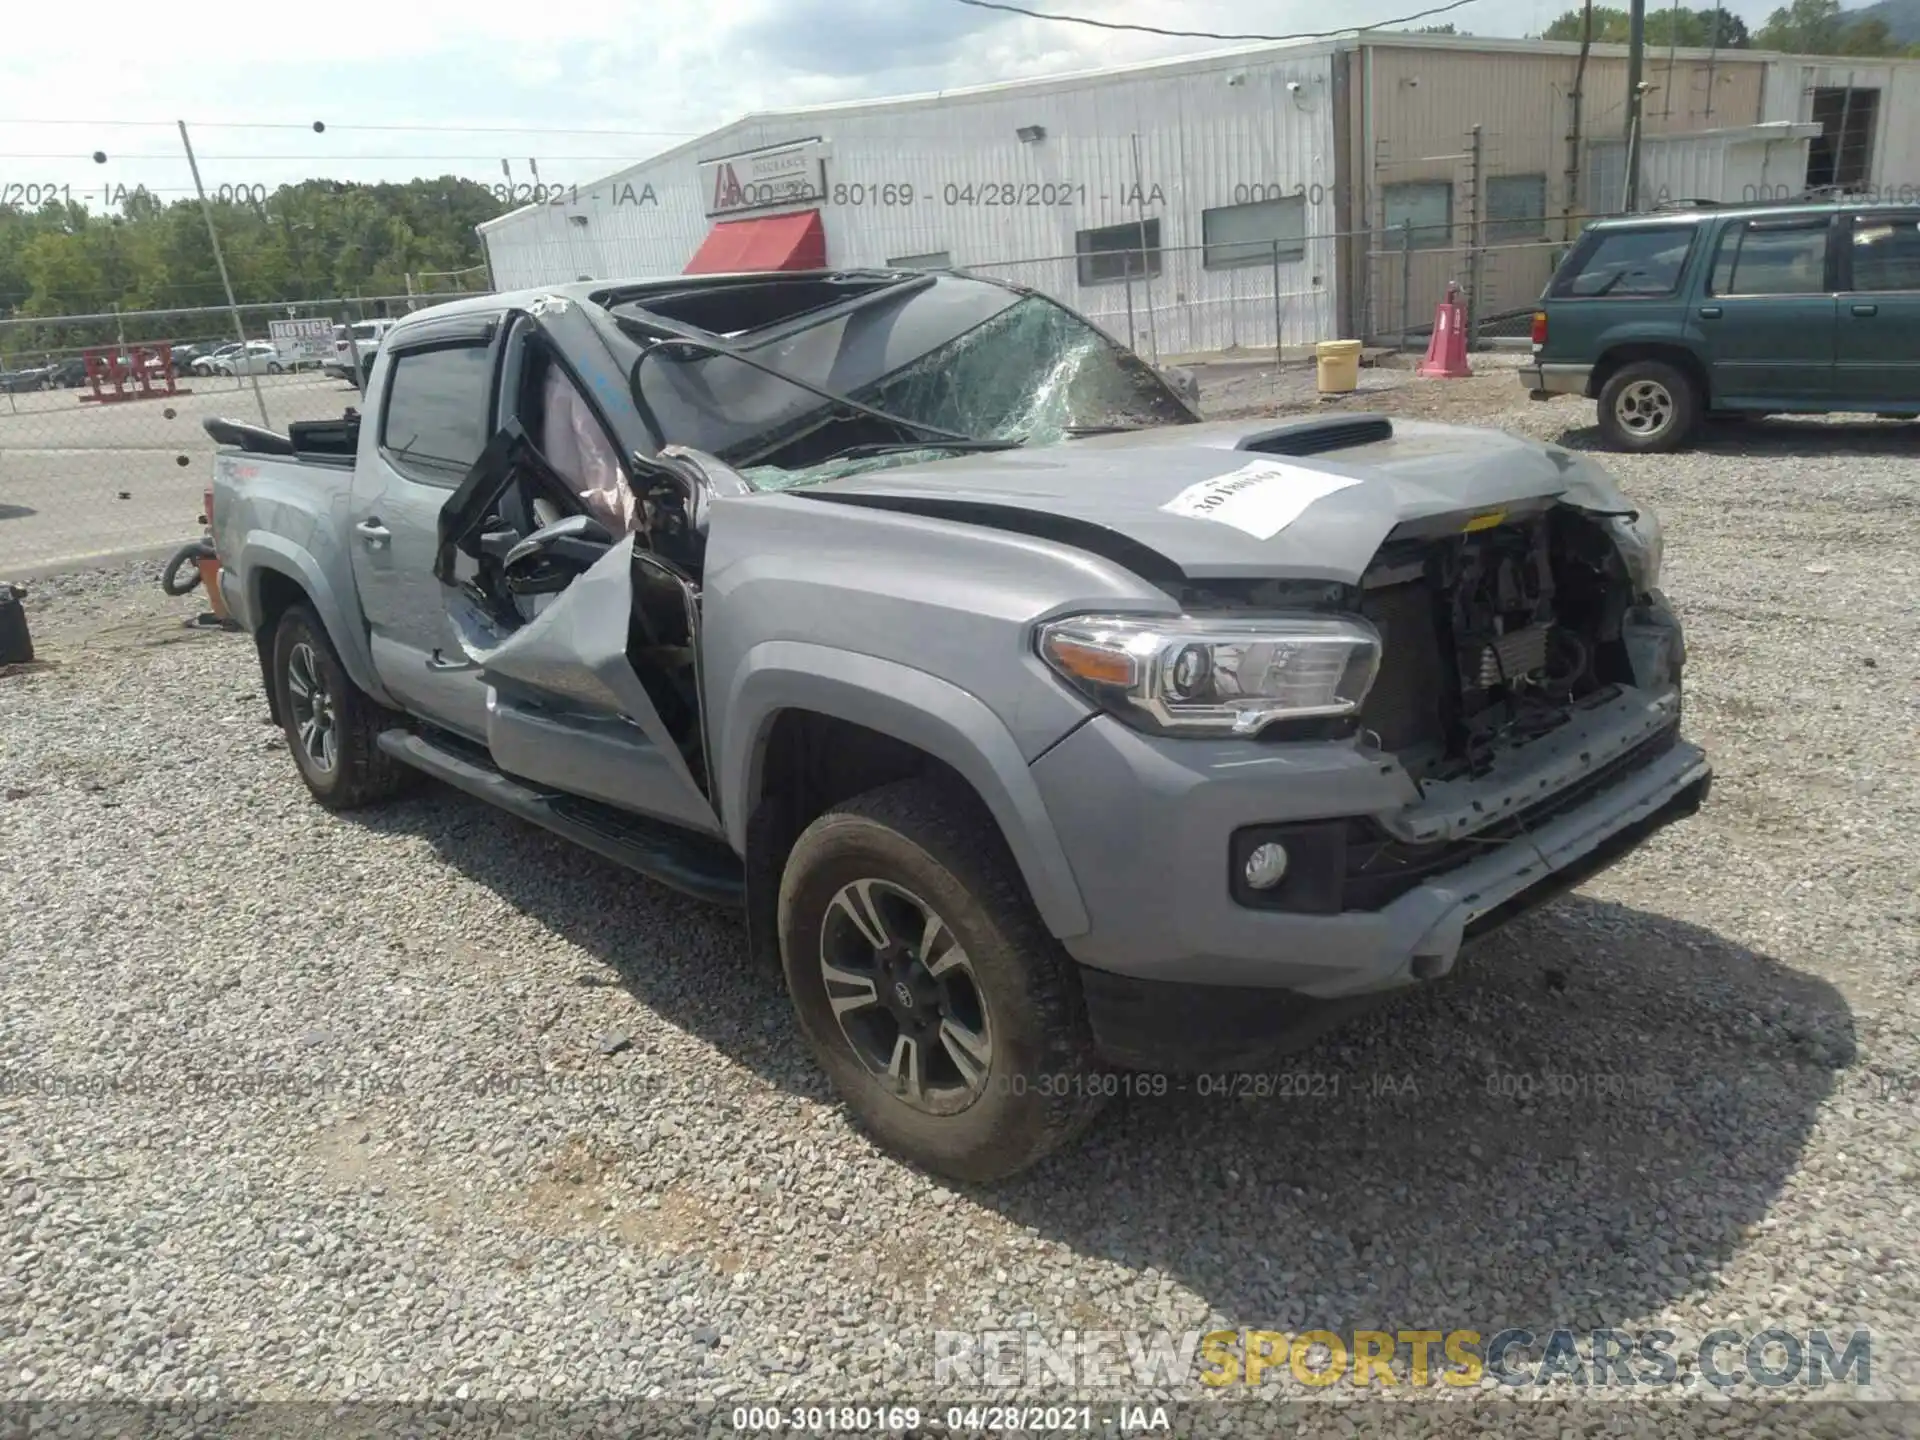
(1212, 34)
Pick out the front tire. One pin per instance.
(945, 1016)
(332, 726)
(1649, 407)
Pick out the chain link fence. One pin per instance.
(116, 459)
(83, 476)
(1193, 300)
(1499, 285)
(87, 473)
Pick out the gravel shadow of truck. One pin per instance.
(1576, 1129)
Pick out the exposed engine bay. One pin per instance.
(1494, 638)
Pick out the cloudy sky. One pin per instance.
(482, 80)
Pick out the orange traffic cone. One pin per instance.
(1447, 351)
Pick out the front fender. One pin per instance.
(916, 708)
(265, 552)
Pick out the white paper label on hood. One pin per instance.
(1261, 498)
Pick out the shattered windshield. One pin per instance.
(966, 358)
(1030, 375)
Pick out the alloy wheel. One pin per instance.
(315, 719)
(1645, 409)
(906, 997)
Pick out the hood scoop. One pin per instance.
(1320, 437)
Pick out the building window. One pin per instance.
(435, 423)
(1772, 260)
(1255, 234)
(1843, 152)
(1428, 205)
(1118, 252)
(1517, 208)
(932, 260)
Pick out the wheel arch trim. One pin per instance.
(265, 553)
(917, 709)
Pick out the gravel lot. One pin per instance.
(422, 1104)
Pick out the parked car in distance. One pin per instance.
(260, 357)
(1668, 320)
(68, 373)
(185, 355)
(208, 363)
(31, 377)
(1039, 728)
(363, 337)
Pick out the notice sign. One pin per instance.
(302, 339)
(1261, 498)
(760, 179)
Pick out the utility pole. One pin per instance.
(233, 306)
(1636, 95)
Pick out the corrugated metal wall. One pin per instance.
(1708, 167)
(1425, 101)
(1208, 135)
(1212, 132)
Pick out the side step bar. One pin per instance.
(703, 869)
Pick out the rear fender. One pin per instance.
(265, 552)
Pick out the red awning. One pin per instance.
(768, 242)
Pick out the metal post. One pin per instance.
(1140, 218)
(1279, 331)
(1406, 280)
(1575, 158)
(233, 305)
(1636, 59)
(1840, 145)
(1713, 58)
(1476, 239)
(1673, 45)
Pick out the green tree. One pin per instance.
(1820, 27)
(1694, 29)
(320, 240)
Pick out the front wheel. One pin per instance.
(274, 367)
(1648, 407)
(945, 1016)
(332, 726)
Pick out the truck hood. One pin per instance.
(1238, 499)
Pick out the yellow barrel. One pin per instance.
(1339, 366)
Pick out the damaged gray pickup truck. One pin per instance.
(1041, 730)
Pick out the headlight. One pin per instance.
(1191, 675)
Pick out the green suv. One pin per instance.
(1670, 319)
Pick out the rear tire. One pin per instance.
(332, 726)
(960, 1043)
(1649, 407)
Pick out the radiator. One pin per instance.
(1403, 708)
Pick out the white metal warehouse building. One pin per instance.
(1213, 202)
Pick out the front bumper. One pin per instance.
(1542, 380)
(1146, 825)
(1162, 1025)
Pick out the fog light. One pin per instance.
(1266, 866)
